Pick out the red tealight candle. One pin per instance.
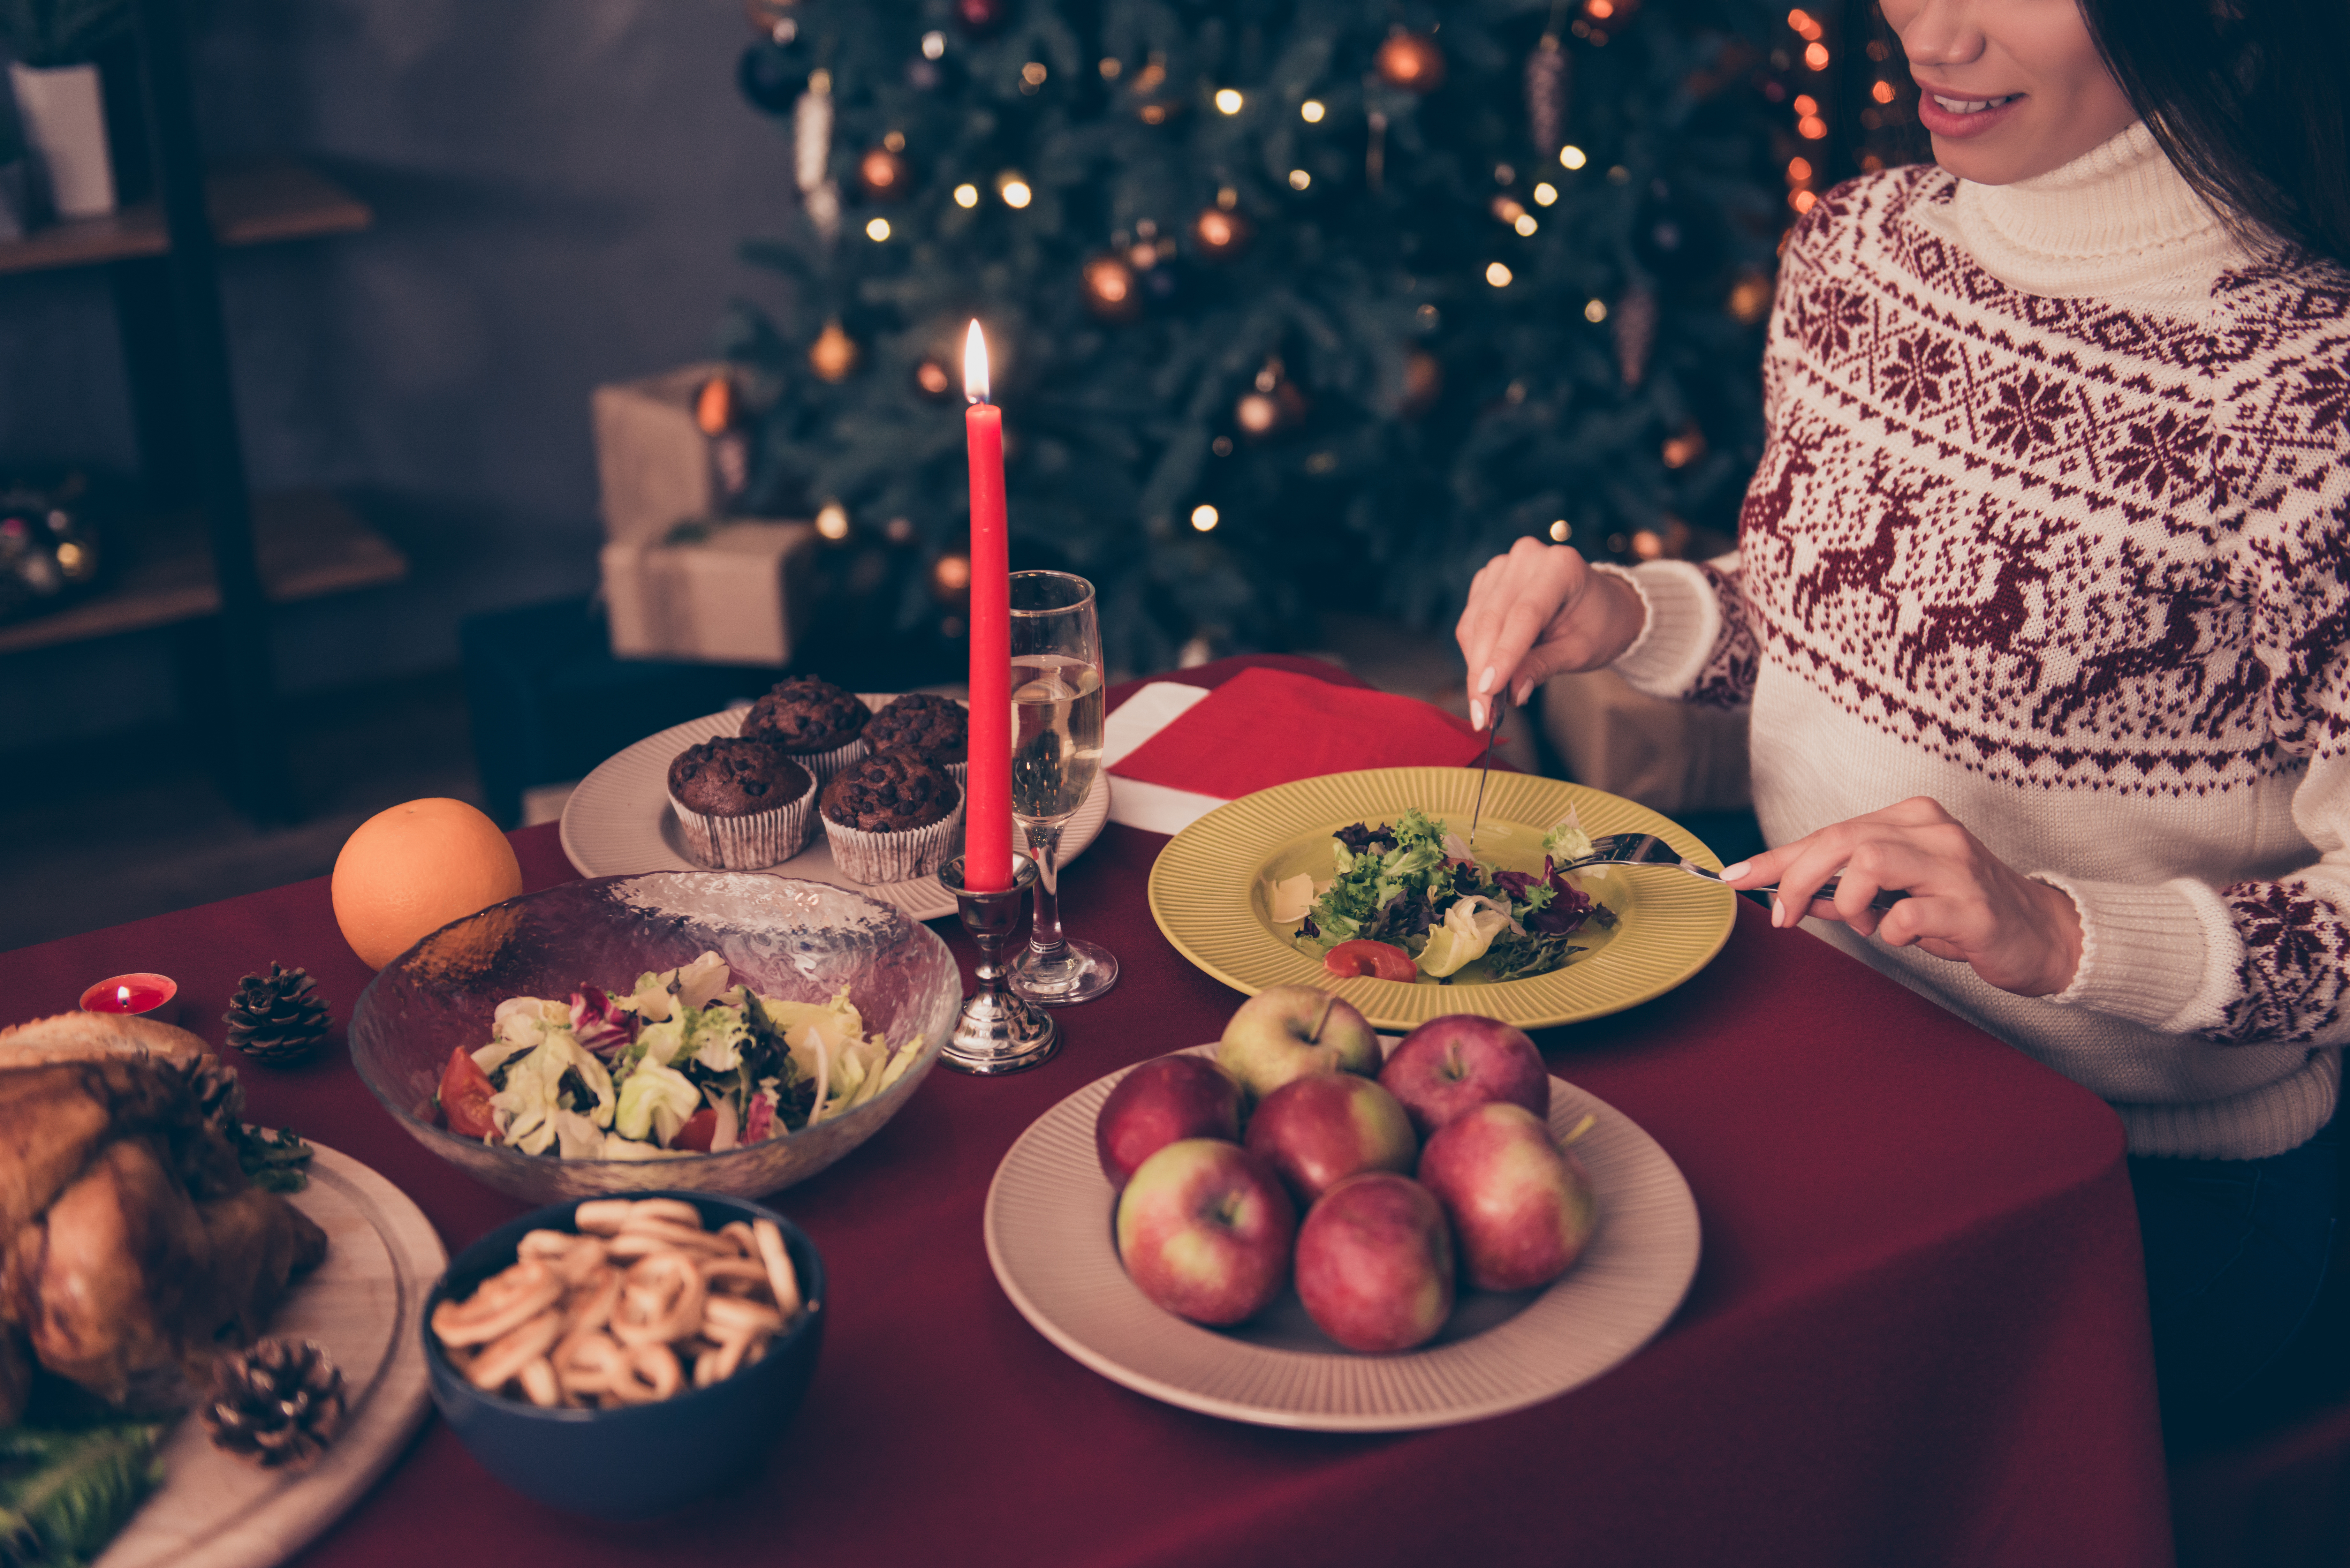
(146, 993)
(987, 806)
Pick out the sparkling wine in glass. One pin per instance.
(1057, 746)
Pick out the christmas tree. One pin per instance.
(1293, 304)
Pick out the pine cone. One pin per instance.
(219, 1098)
(278, 1017)
(277, 1404)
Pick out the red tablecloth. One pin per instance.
(1917, 1334)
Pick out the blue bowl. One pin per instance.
(633, 1460)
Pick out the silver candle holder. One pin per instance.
(997, 1031)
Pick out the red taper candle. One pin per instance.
(987, 806)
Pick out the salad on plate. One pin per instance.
(685, 1061)
(1407, 901)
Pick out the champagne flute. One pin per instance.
(1057, 746)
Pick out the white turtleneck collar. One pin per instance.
(2119, 222)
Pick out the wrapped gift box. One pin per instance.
(656, 465)
(1672, 757)
(720, 593)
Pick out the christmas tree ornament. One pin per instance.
(770, 78)
(715, 406)
(1546, 79)
(1410, 61)
(277, 1404)
(1273, 404)
(777, 19)
(1750, 299)
(1681, 450)
(1220, 234)
(1635, 317)
(276, 1018)
(834, 354)
(981, 17)
(1423, 383)
(1111, 291)
(812, 154)
(885, 174)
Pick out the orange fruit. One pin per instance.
(407, 872)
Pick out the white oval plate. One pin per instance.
(618, 822)
(363, 1304)
(1049, 1239)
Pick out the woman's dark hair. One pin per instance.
(2247, 99)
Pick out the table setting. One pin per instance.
(1853, 1283)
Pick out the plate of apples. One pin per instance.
(1307, 1224)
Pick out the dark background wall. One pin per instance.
(559, 188)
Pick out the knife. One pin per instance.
(1484, 767)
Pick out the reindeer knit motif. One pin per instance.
(2053, 525)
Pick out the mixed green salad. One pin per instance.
(685, 1061)
(1412, 886)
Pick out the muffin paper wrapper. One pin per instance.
(871, 857)
(751, 843)
(824, 764)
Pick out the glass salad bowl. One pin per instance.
(791, 940)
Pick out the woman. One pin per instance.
(2041, 601)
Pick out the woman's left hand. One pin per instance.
(1965, 904)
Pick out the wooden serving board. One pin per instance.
(363, 1304)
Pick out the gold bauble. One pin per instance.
(1110, 289)
(1256, 413)
(1423, 383)
(1222, 233)
(1410, 61)
(715, 406)
(1750, 299)
(834, 354)
(885, 175)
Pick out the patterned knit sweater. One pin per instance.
(2053, 525)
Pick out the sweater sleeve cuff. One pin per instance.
(1684, 622)
(2158, 955)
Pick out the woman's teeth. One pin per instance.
(1969, 105)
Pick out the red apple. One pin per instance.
(1286, 1032)
(1204, 1229)
(1521, 1207)
(1460, 1061)
(1375, 1263)
(1165, 1098)
(1320, 1130)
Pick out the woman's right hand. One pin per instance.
(1541, 611)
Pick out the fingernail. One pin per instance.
(1476, 714)
(1733, 873)
(1525, 690)
(1485, 681)
(1778, 911)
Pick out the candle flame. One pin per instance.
(122, 994)
(974, 366)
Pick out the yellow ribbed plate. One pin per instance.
(1210, 888)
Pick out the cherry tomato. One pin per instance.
(700, 1129)
(465, 1096)
(1380, 961)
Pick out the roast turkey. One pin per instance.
(132, 1250)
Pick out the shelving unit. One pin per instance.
(210, 558)
(252, 206)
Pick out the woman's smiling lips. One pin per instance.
(1958, 114)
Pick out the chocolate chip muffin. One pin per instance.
(934, 728)
(741, 803)
(818, 723)
(891, 818)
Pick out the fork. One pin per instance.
(1648, 849)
